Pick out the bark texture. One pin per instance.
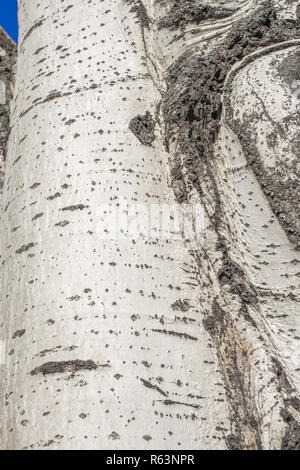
(149, 344)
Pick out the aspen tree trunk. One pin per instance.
(152, 343)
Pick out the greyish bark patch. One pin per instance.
(142, 126)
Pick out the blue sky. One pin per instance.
(8, 17)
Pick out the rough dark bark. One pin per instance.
(8, 55)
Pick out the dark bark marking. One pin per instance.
(69, 122)
(25, 248)
(54, 196)
(148, 384)
(171, 402)
(139, 8)
(181, 305)
(64, 367)
(34, 185)
(63, 223)
(37, 216)
(33, 27)
(74, 208)
(191, 11)
(291, 438)
(142, 126)
(18, 334)
(175, 333)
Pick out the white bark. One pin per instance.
(148, 345)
